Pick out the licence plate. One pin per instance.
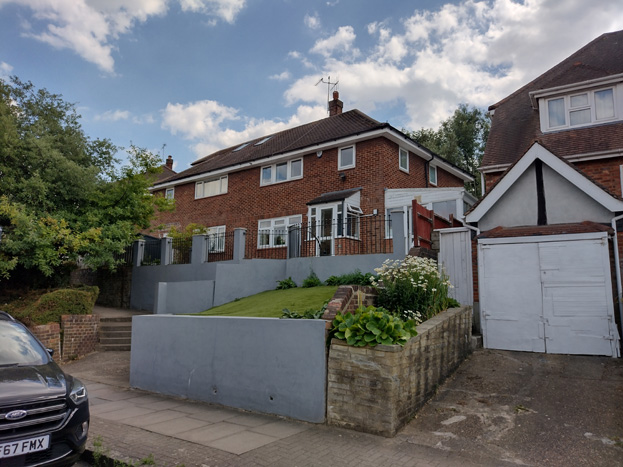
(24, 446)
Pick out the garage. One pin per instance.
(549, 294)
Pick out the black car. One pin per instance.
(44, 413)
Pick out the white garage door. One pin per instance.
(551, 295)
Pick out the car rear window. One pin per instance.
(19, 347)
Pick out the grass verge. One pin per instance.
(271, 303)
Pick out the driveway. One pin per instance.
(499, 408)
(528, 409)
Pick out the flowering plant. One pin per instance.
(413, 288)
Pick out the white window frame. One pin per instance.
(169, 193)
(544, 109)
(273, 172)
(401, 151)
(223, 186)
(432, 169)
(341, 166)
(270, 226)
(217, 233)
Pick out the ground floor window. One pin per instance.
(274, 232)
(216, 239)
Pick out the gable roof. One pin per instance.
(309, 137)
(516, 123)
(611, 202)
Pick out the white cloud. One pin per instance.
(312, 21)
(205, 124)
(281, 76)
(113, 116)
(226, 10)
(474, 52)
(91, 27)
(5, 70)
(340, 42)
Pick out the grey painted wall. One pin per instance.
(260, 364)
(565, 203)
(518, 206)
(184, 297)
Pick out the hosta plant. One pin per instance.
(372, 326)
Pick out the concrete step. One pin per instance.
(121, 319)
(113, 333)
(115, 340)
(115, 328)
(114, 347)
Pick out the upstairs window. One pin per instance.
(282, 172)
(211, 187)
(432, 174)
(346, 158)
(581, 109)
(170, 193)
(403, 159)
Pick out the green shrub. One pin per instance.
(412, 288)
(286, 284)
(353, 278)
(51, 306)
(311, 281)
(372, 326)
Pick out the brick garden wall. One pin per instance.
(79, 336)
(378, 390)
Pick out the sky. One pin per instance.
(189, 77)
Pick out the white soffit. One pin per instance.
(537, 151)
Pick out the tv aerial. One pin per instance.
(330, 87)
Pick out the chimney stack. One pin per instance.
(169, 162)
(336, 105)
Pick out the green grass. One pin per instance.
(271, 303)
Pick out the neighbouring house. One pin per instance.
(549, 245)
(338, 176)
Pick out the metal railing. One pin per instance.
(151, 253)
(181, 250)
(219, 247)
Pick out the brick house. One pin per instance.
(549, 244)
(333, 174)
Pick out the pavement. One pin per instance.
(499, 408)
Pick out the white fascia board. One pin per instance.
(493, 168)
(537, 151)
(576, 86)
(391, 135)
(544, 238)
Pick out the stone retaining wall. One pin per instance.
(379, 389)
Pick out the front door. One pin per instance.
(325, 232)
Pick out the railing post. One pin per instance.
(138, 251)
(166, 251)
(239, 243)
(199, 249)
(398, 233)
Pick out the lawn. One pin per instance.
(270, 304)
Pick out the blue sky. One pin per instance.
(200, 75)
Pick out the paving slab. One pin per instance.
(176, 426)
(154, 417)
(242, 442)
(280, 429)
(125, 414)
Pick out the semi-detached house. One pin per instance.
(330, 174)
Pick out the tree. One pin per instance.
(64, 196)
(460, 139)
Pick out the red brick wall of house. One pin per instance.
(491, 179)
(606, 172)
(246, 201)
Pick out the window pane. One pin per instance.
(347, 157)
(296, 168)
(212, 187)
(556, 111)
(604, 104)
(170, 193)
(264, 224)
(579, 117)
(266, 175)
(404, 159)
(294, 220)
(282, 172)
(264, 237)
(223, 184)
(581, 100)
(432, 172)
(199, 190)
